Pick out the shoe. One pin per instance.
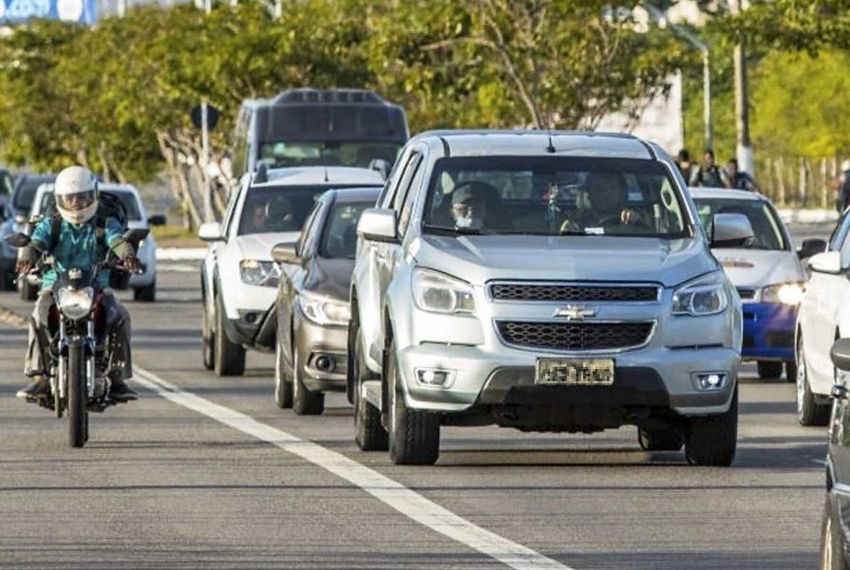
(121, 392)
(36, 390)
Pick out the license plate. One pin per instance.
(575, 372)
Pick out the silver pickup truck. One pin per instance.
(546, 282)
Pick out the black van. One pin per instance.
(324, 127)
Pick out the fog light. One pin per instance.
(431, 377)
(710, 380)
(250, 318)
(325, 364)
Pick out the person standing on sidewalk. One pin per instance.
(841, 201)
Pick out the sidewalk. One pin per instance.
(789, 215)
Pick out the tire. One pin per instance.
(27, 291)
(711, 440)
(145, 294)
(769, 369)
(282, 385)
(660, 440)
(790, 371)
(831, 550)
(369, 432)
(304, 402)
(414, 436)
(228, 357)
(207, 339)
(77, 395)
(809, 412)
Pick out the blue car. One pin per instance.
(767, 273)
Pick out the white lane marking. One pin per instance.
(407, 502)
(819, 462)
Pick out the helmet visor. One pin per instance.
(77, 201)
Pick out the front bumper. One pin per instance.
(768, 331)
(322, 355)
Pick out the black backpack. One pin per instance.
(109, 206)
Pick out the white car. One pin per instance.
(239, 279)
(824, 316)
(767, 273)
(143, 284)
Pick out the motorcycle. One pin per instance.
(80, 360)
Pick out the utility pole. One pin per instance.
(205, 147)
(744, 149)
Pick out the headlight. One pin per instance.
(705, 296)
(785, 293)
(75, 304)
(261, 273)
(440, 293)
(324, 311)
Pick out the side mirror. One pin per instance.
(382, 166)
(286, 252)
(135, 236)
(210, 231)
(826, 262)
(378, 224)
(18, 240)
(157, 220)
(731, 230)
(811, 247)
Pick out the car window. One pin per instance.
(277, 208)
(393, 181)
(767, 229)
(281, 154)
(404, 183)
(839, 234)
(554, 195)
(25, 191)
(339, 238)
(411, 199)
(305, 240)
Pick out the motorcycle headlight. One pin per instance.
(260, 273)
(323, 311)
(785, 293)
(704, 296)
(441, 293)
(75, 304)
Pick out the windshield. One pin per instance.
(554, 196)
(767, 229)
(278, 208)
(25, 192)
(48, 204)
(291, 153)
(339, 239)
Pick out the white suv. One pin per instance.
(238, 277)
(545, 282)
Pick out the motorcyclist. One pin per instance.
(84, 238)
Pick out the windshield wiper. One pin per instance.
(454, 231)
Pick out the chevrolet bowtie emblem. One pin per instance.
(572, 313)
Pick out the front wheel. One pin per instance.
(414, 435)
(145, 294)
(282, 386)
(660, 439)
(809, 412)
(77, 396)
(229, 357)
(768, 369)
(712, 440)
(304, 402)
(369, 432)
(207, 339)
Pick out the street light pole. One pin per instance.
(744, 149)
(699, 44)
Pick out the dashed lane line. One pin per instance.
(391, 492)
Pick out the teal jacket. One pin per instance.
(77, 246)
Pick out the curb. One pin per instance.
(180, 253)
(807, 216)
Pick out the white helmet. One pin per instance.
(76, 194)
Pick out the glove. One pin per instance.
(132, 264)
(23, 266)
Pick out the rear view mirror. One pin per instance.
(826, 262)
(157, 220)
(731, 230)
(286, 252)
(377, 224)
(18, 240)
(210, 231)
(136, 236)
(811, 247)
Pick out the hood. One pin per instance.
(479, 259)
(329, 278)
(259, 246)
(757, 268)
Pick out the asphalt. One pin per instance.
(163, 486)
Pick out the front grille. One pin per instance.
(572, 293)
(746, 294)
(574, 336)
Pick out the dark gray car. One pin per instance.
(312, 309)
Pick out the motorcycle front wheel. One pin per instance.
(77, 396)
